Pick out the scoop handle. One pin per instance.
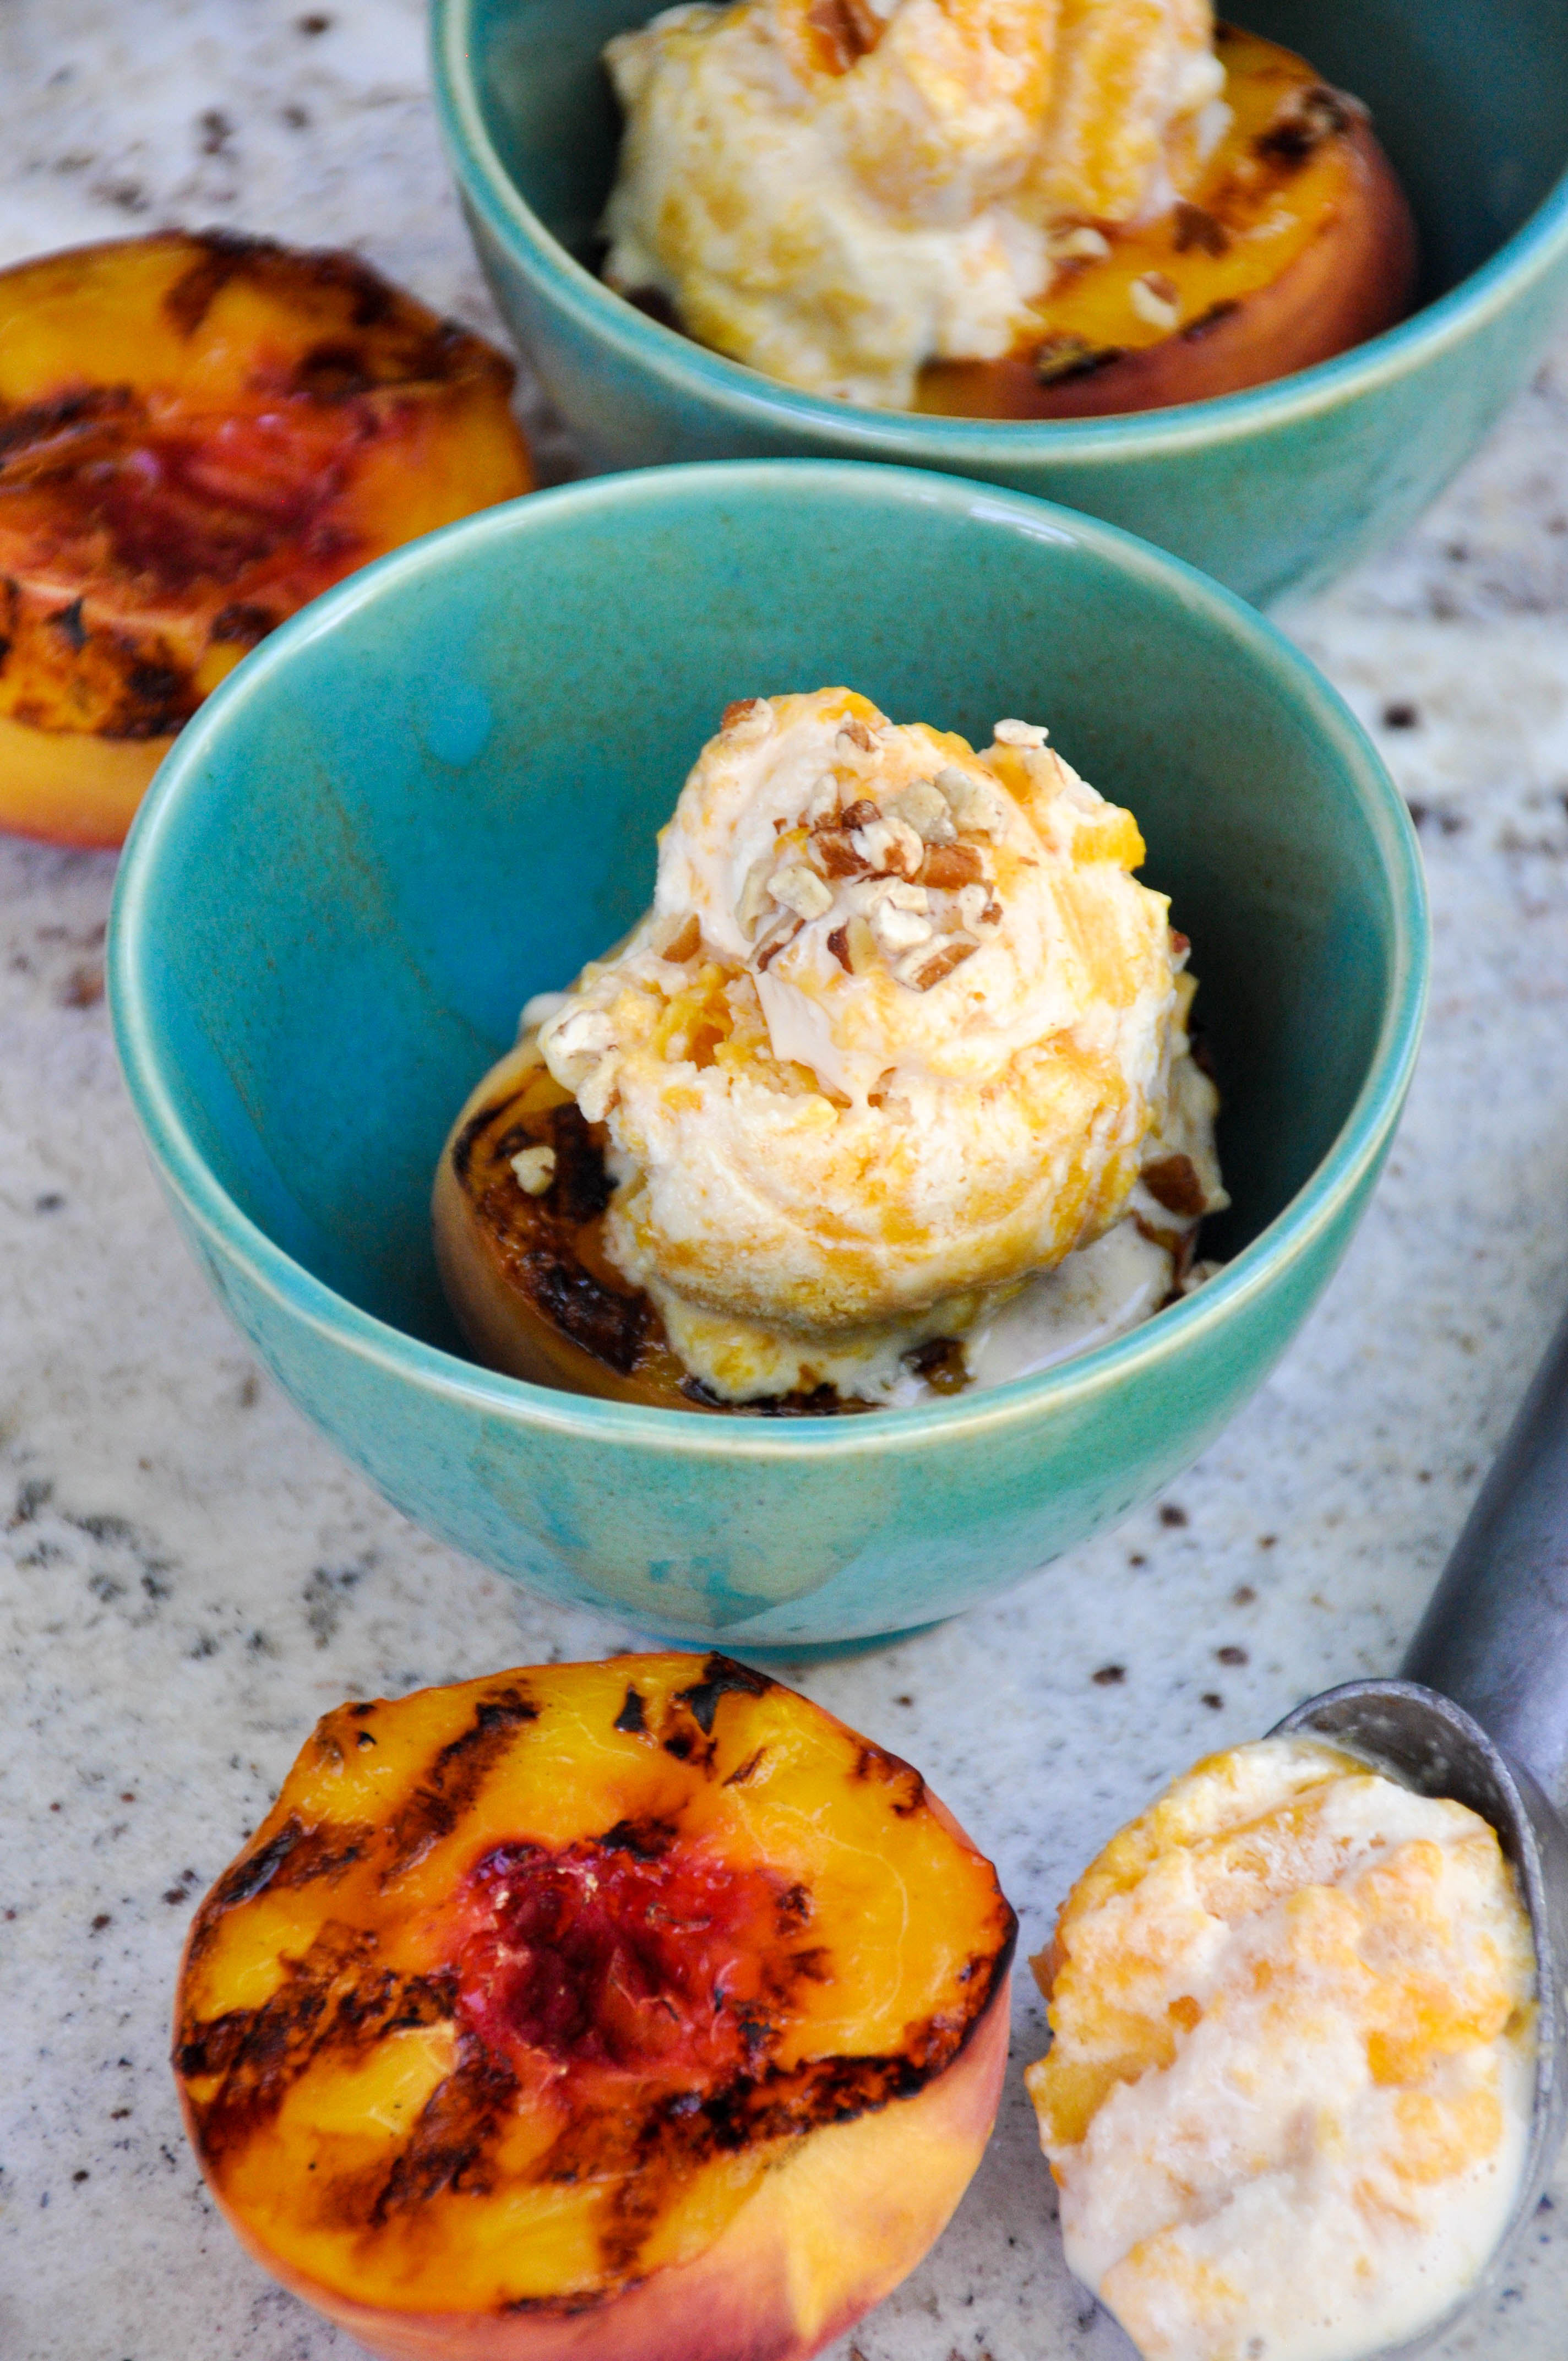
(1495, 1636)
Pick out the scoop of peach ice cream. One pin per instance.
(837, 190)
(891, 1039)
(1288, 2100)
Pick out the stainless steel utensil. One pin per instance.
(1480, 1714)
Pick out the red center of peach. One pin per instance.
(179, 504)
(630, 1953)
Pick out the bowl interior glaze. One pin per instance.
(1471, 103)
(437, 792)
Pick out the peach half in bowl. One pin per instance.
(459, 761)
(1314, 416)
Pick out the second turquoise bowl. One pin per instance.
(1269, 490)
(435, 792)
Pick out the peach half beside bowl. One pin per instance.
(1279, 486)
(457, 761)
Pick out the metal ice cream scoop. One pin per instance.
(1480, 1714)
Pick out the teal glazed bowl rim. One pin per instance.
(1531, 253)
(1317, 1206)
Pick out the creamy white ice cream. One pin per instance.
(1288, 2100)
(900, 1032)
(838, 190)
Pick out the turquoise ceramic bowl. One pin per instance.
(435, 792)
(1270, 490)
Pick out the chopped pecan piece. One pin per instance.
(836, 856)
(922, 969)
(684, 942)
(952, 865)
(782, 935)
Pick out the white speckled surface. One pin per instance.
(188, 1577)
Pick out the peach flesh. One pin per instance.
(834, 2228)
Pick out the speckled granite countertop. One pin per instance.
(188, 1577)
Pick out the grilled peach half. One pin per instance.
(197, 436)
(527, 1275)
(635, 2011)
(1297, 243)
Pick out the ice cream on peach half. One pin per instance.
(635, 2011)
(999, 208)
(198, 434)
(890, 1093)
(1289, 2096)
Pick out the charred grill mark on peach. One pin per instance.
(455, 1779)
(794, 1908)
(137, 689)
(893, 1772)
(611, 1326)
(335, 2001)
(548, 1259)
(252, 1875)
(226, 255)
(824, 1402)
(746, 1772)
(242, 626)
(1306, 118)
(581, 1188)
(1207, 322)
(535, 1237)
(644, 1839)
(633, 1716)
(473, 1132)
(223, 254)
(53, 438)
(68, 622)
(456, 2129)
(1058, 358)
(330, 373)
(295, 1858)
(722, 1677)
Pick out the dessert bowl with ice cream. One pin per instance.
(461, 764)
(999, 208)
(890, 1092)
(1113, 252)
